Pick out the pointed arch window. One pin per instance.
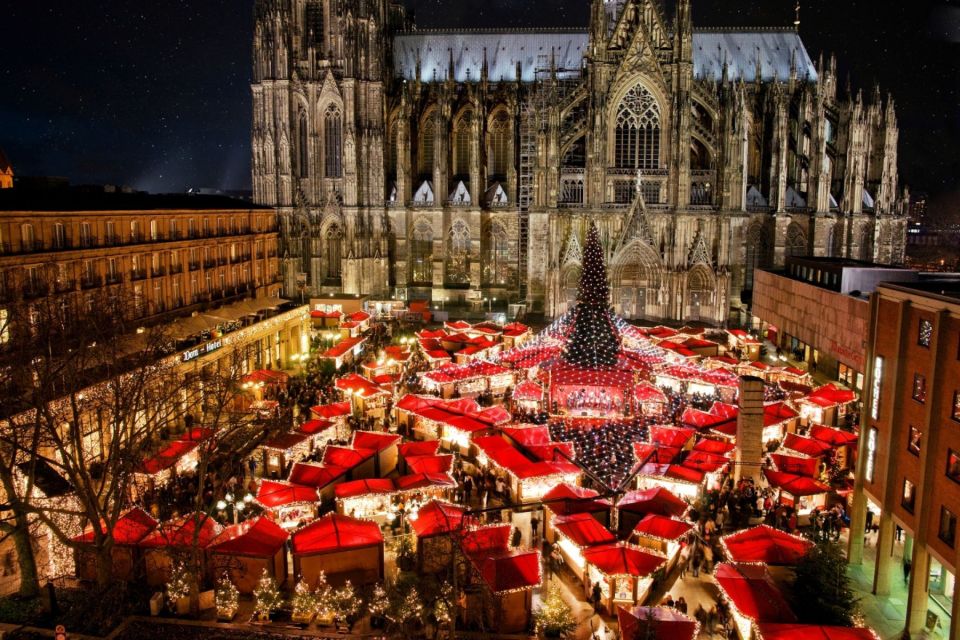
(458, 264)
(302, 145)
(462, 142)
(499, 146)
(758, 252)
(499, 259)
(333, 142)
(421, 251)
(428, 140)
(334, 242)
(796, 241)
(637, 134)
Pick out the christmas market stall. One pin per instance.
(416, 449)
(765, 545)
(321, 319)
(290, 505)
(437, 525)
(576, 532)
(453, 422)
(648, 400)
(634, 505)
(365, 397)
(567, 499)
(806, 446)
(662, 535)
(515, 335)
(537, 443)
(322, 477)
(370, 499)
(779, 419)
(385, 446)
(743, 343)
(528, 397)
(279, 453)
(465, 380)
(681, 481)
(752, 595)
(656, 623)
(264, 383)
(132, 527)
(625, 574)
(173, 540)
(842, 442)
(340, 547)
(321, 432)
(177, 457)
(527, 480)
(344, 352)
(244, 551)
(801, 492)
(827, 405)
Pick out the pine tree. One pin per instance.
(227, 596)
(594, 340)
(266, 596)
(821, 589)
(554, 617)
(179, 585)
(304, 601)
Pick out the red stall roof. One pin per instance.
(510, 571)
(655, 623)
(831, 436)
(566, 499)
(335, 410)
(774, 631)
(374, 440)
(273, 494)
(583, 530)
(315, 475)
(342, 347)
(129, 530)
(287, 441)
(670, 436)
(417, 481)
(672, 472)
(795, 485)
(662, 527)
(334, 532)
(620, 559)
(705, 462)
(180, 533)
(777, 412)
(765, 545)
(359, 386)
(801, 466)
(529, 435)
(656, 500)
(709, 445)
(806, 446)
(266, 376)
(529, 391)
(355, 488)
(830, 394)
(645, 392)
(313, 427)
(168, 456)
(436, 518)
(415, 449)
(348, 458)
(647, 452)
(430, 464)
(486, 540)
(751, 591)
(259, 538)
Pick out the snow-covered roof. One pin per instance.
(535, 50)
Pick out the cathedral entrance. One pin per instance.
(633, 302)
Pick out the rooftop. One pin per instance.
(946, 289)
(67, 199)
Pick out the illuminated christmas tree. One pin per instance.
(266, 596)
(594, 340)
(227, 597)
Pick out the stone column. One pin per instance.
(881, 572)
(749, 451)
(917, 598)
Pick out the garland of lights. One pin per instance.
(227, 597)
(266, 596)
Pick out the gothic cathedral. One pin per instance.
(458, 164)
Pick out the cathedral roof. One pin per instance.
(776, 49)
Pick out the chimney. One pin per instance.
(749, 451)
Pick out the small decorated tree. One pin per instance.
(443, 606)
(266, 597)
(554, 617)
(323, 600)
(346, 604)
(405, 608)
(304, 603)
(227, 598)
(377, 606)
(178, 588)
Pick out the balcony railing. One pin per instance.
(194, 265)
(63, 286)
(138, 274)
(114, 278)
(158, 272)
(176, 268)
(91, 282)
(33, 290)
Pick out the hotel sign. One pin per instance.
(202, 350)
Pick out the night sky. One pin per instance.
(156, 94)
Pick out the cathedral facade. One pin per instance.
(467, 165)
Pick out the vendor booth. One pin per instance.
(779, 419)
(370, 499)
(841, 441)
(365, 396)
(290, 505)
(321, 432)
(132, 527)
(278, 454)
(359, 463)
(662, 535)
(322, 477)
(681, 481)
(634, 505)
(436, 525)
(752, 596)
(567, 499)
(743, 343)
(528, 480)
(244, 551)
(806, 446)
(175, 539)
(827, 405)
(340, 547)
(528, 397)
(264, 384)
(344, 352)
(656, 623)
(385, 444)
(176, 457)
(765, 545)
(576, 532)
(648, 400)
(801, 492)
(466, 380)
(624, 573)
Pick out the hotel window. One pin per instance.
(154, 230)
(948, 526)
(909, 498)
(85, 235)
(919, 388)
(926, 333)
(914, 439)
(953, 465)
(955, 412)
(59, 236)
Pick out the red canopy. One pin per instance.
(655, 623)
(316, 475)
(647, 393)
(273, 494)
(831, 436)
(806, 446)
(662, 527)
(329, 411)
(795, 464)
(259, 538)
(528, 391)
(129, 529)
(430, 464)
(287, 441)
(566, 499)
(180, 533)
(266, 376)
(672, 472)
(348, 458)
(414, 449)
(168, 456)
(830, 394)
(773, 631)
(374, 440)
(647, 452)
(776, 413)
(375, 486)
(795, 485)
(313, 427)
(528, 435)
(670, 436)
(765, 545)
(334, 532)
(510, 571)
(359, 386)
(583, 530)
(751, 591)
(620, 559)
(436, 517)
(417, 481)
(656, 500)
(486, 540)
(705, 462)
(709, 445)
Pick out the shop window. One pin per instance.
(948, 526)
(913, 440)
(953, 465)
(926, 333)
(919, 388)
(908, 499)
(955, 413)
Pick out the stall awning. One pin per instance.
(765, 545)
(347, 458)
(795, 485)
(331, 411)
(705, 462)
(129, 530)
(583, 530)
(670, 436)
(273, 494)
(486, 540)
(656, 623)
(831, 436)
(168, 456)
(180, 533)
(409, 450)
(316, 475)
(430, 464)
(566, 499)
(623, 560)
(419, 481)
(752, 592)
(287, 441)
(334, 532)
(662, 527)
(357, 488)
(718, 447)
(313, 427)
(510, 571)
(672, 473)
(266, 376)
(776, 413)
(374, 440)
(258, 538)
(801, 466)
(656, 500)
(830, 394)
(806, 446)
(359, 386)
(436, 518)
(528, 391)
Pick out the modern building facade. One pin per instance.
(908, 471)
(467, 164)
(164, 254)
